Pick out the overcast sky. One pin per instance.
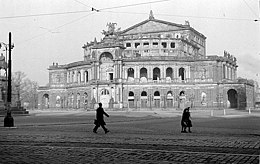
(49, 37)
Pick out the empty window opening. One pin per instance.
(128, 44)
(155, 44)
(181, 73)
(146, 43)
(172, 45)
(110, 76)
(164, 44)
(156, 74)
(137, 44)
(130, 72)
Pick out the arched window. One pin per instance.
(143, 72)
(156, 73)
(156, 93)
(169, 94)
(203, 73)
(58, 101)
(46, 100)
(85, 97)
(143, 94)
(203, 98)
(131, 93)
(106, 56)
(182, 73)
(232, 98)
(104, 92)
(130, 72)
(182, 93)
(169, 73)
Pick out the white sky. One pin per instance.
(41, 40)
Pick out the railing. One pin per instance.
(173, 81)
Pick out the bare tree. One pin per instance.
(24, 90)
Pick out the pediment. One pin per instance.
(152, 26)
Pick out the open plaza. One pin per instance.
(135, 137)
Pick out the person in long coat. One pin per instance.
(186, 121)
(100, 119)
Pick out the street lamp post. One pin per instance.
(8, 120)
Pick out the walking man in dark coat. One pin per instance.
(186, 121)
(100, 119)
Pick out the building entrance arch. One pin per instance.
(104, 98)
(106, 67)
(144, 99)
(182, 100)
(157, 99)
(131, 99)
(45, 101)
(232, 98)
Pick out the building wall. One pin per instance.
(163, 67)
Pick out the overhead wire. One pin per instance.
(75, 20)
(44, 14)
(190, 16)
(130, 5)
(58, 27)
(107, 10)
(76, 12)
(123, 6)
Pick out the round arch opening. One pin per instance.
(232, 98)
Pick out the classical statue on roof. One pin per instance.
(111, 29)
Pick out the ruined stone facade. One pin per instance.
(154, 64)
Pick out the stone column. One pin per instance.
(97, 71)
(82, 75)
(138, 72)
(135, 73)
(115, 69)
(120, 70)
(76, 76)
(163, 75)
(71, 76)
(89, 74)
(68, 77)
(150, 73)
(124, 73)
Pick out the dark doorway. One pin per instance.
(232, 98)
(131, 99)
(181, 73)
(156, 73)
(144, 99)
(110, 76)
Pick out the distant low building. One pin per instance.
(257, 95)
(154, 64)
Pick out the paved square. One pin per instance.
(145, 137)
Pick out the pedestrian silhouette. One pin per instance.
(186, 121)
(8, 120)
(99, 121)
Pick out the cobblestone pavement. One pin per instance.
(56, 154)
(69, 139)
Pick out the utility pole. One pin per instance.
(8, 120)
(9, 90)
